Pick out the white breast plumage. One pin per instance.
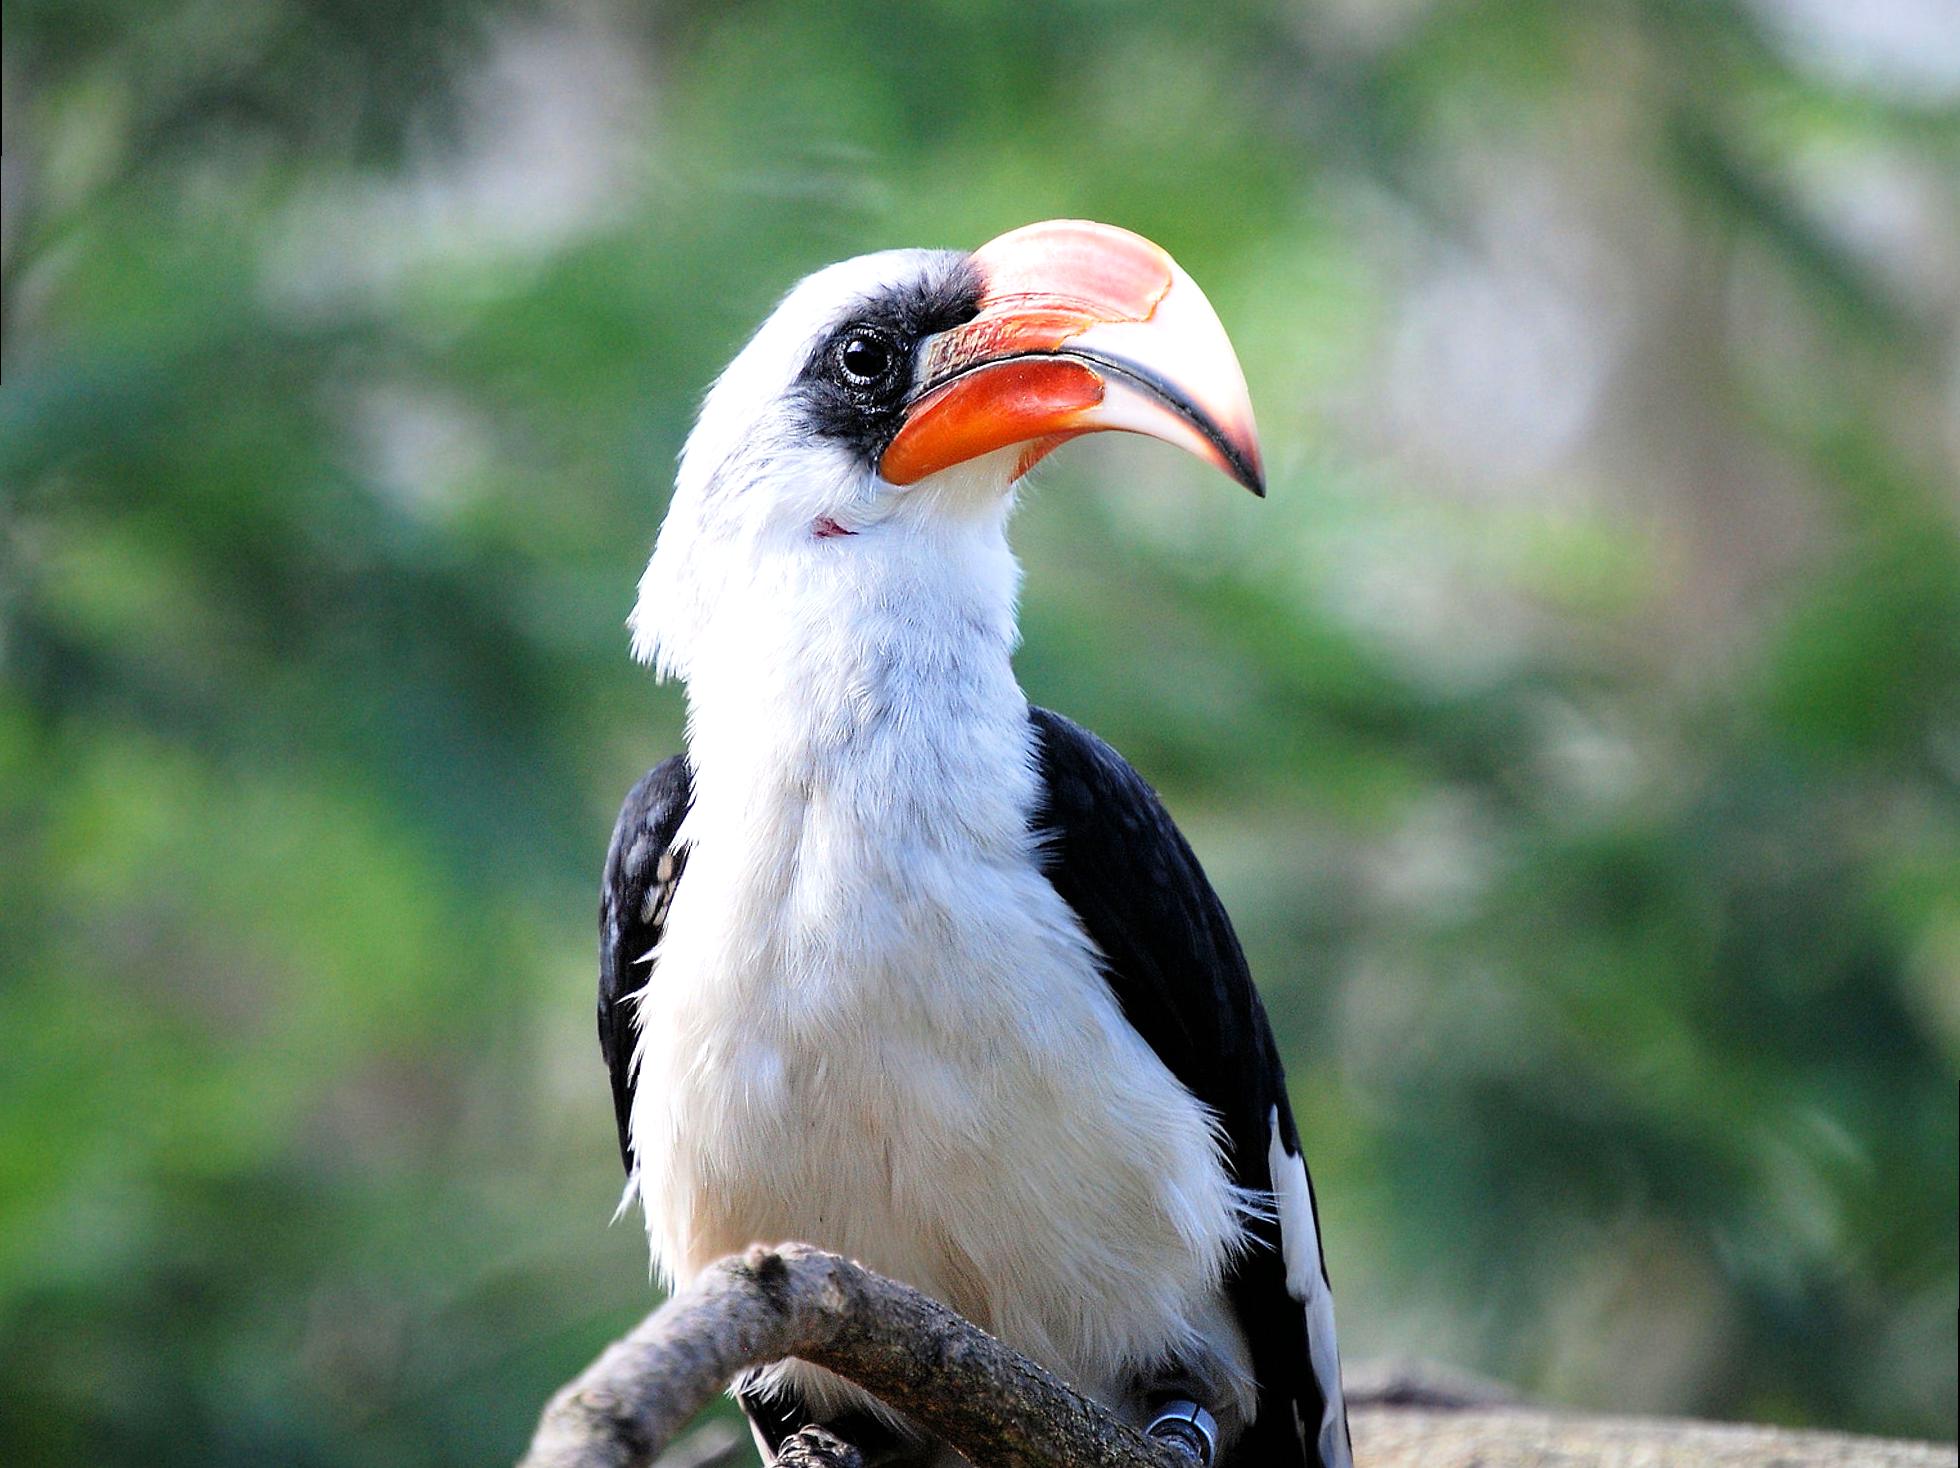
(873, 1024)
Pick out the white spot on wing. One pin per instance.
(1300, 1248)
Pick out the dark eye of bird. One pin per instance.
(866, 359)
(852, 387)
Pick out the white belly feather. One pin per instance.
(872, 1023)
(882, 1031)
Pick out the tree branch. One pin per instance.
(991, 1403)
(1000, 1410)
(1533, 1437)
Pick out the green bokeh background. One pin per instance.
(1575, 732)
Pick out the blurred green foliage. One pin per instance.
(1575, 732)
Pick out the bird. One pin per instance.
(895, 962)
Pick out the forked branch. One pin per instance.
(912, 1353)
(1002, 1411)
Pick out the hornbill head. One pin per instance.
(904, 393)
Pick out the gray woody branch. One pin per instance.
(1002, 1411)
(912, 1353)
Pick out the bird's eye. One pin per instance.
(865, 359)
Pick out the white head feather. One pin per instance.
(754, 478)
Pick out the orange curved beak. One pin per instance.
(1082, 328)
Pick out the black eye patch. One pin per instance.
(854, 386)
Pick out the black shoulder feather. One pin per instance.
(1175, 966)
(643, 867)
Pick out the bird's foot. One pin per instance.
(813, 1447)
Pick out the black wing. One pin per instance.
(1175, 966)
(643, 867)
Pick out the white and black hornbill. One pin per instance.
(897, 964)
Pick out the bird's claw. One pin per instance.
(813, 1447)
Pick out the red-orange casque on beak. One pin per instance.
(1082, 327)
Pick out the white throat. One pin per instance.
(859, 668)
